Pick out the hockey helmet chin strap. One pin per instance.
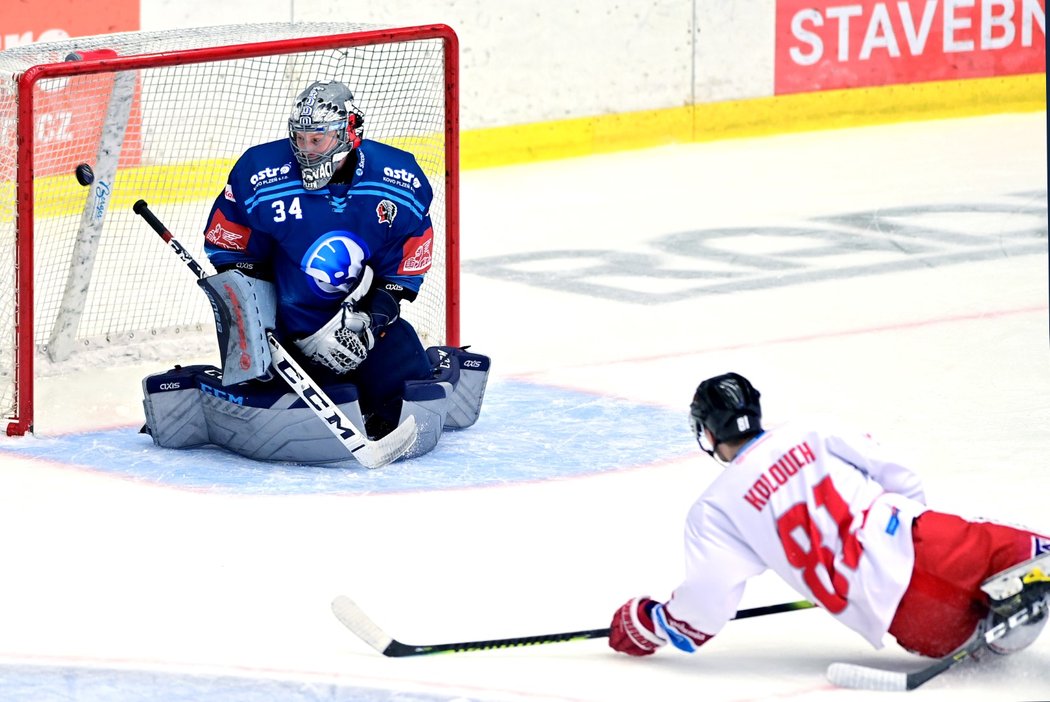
(711, 448)
(701, 438)
(713, 451)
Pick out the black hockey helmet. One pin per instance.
(728, 406)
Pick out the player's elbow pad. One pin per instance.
(681, 635)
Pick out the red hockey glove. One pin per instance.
(632, 630)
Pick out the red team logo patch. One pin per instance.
(418, 254)
(226, 234)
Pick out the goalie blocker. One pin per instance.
(189, 406)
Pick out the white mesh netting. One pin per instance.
(186, 125)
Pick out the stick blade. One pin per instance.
(376, 454)
(859, 677)
(351, 616)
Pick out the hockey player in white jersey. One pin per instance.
(847, 526)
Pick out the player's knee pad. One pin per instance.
(244, 309)
(467, 374)
(187, 407)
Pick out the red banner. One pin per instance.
(70, 112)
(828, 44)
(28, 21)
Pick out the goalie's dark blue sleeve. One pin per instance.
(394, 180)
(229, 239)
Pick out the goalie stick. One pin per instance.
(347, 612)
(370, 454)
(862, 677)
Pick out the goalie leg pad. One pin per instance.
(172, 403)
(244, 309)
(427, 401)
(468, 375)
(266, 422)
(285, 435)
(189, 407)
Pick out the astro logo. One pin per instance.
(402, 175)
(267, 174)
(333, 262)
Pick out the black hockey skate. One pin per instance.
(1018, 598)
(1019, 586)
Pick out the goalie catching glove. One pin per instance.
(343, 343)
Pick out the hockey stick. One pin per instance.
(370, 454)
(862, 677)
(347, 612)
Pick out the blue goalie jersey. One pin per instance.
(313, 243)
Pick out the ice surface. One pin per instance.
(895, 276)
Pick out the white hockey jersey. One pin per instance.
(826, 508)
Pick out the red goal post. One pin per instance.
(162, 116)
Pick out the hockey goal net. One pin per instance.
(162, 116)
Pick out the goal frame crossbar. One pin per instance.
(23, 373)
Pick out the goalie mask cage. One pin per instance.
(163, 116)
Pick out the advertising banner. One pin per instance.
(69, 113)
(829, 44)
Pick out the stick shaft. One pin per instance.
(398, 649)
(358, 622)
(143, 210)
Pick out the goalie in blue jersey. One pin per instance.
(321, 237)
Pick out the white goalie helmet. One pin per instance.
(324, 127)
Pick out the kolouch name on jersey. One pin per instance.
(778, 474)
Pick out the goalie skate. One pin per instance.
(1017, 586)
